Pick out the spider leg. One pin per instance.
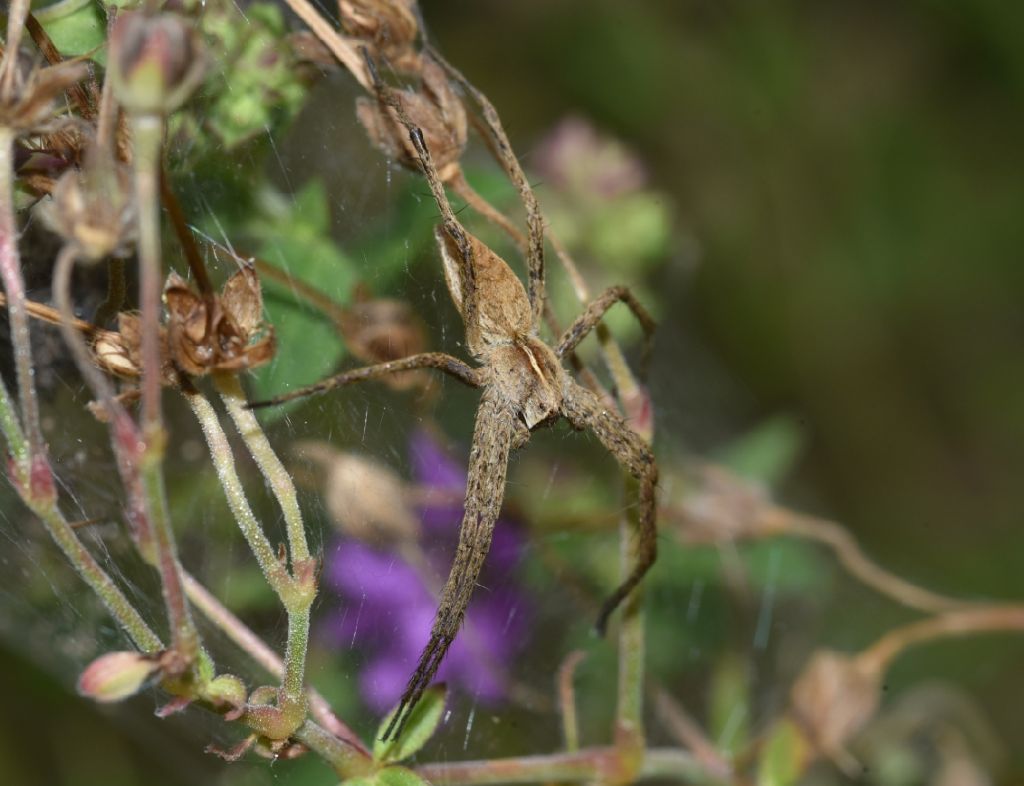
(438, 360)
(593, 313)
(390, 98)
(583, 409)
(485, 489)
(514, 171)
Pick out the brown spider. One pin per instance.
(524, 387)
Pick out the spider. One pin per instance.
(524, 388)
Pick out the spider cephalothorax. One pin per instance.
(524, 387)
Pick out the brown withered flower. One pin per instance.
(378, 330)
(28, 92)
(224, 332)
(833, 700)
(93, 208)
(388, 28)
(435, 109)
(119, 352)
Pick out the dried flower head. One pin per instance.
(833, 699)
(28, 92)
(378, 330)
(435, 109)
(120, 352)
(92, 208)
(717, 506)
(388, 28)
(222, 332)
(156, 61)
(366, 499)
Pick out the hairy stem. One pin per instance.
(247, 641)
(629, 729)
(301, 587)
(64, 536)
(92, 573)
(591, 765)
(147, 135)
(14, 286)
(346, 761)
(270, 465)
(224, 463)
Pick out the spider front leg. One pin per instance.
(584, 410)
(593, 313)
(437, 360)
(493, 436)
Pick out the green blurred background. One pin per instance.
(844, 181)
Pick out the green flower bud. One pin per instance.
(117, 675)
(156, 61)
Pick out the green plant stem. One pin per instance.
(629, 729)
(124, 433)
(85, 565)
(185, 638)
(591, 765)
(66, 538)
(299, 591)
(16, 443)
(346, 761)
(14, 285)
(115, 292)
(270, 465)
(247, 641)
(147, 136)
(224, 463)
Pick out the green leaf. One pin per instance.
(784, 756)
(730, 703)
(422, 723)
(295, 238)
(76, 33)
(767, 452)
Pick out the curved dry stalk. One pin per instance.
(965, 622)
(852, 557)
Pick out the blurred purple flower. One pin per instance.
(387, 610)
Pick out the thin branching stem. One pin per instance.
(629, 726)
(224, 463)
(14, 286)
(591, 765)
(66, 538)
(965, 622)
(301, 589)
(270, 465)
(120, 608)
(257, 649)
(147, 134)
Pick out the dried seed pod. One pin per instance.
(222, 332)
(378, 330)
(28, 92)
(156, 61)
(435, 109)
(365, 498)
(93, 209)
(120, 352)
(717, 506)
(388, 28)
(834, 698)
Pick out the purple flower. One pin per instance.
(387, 604)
